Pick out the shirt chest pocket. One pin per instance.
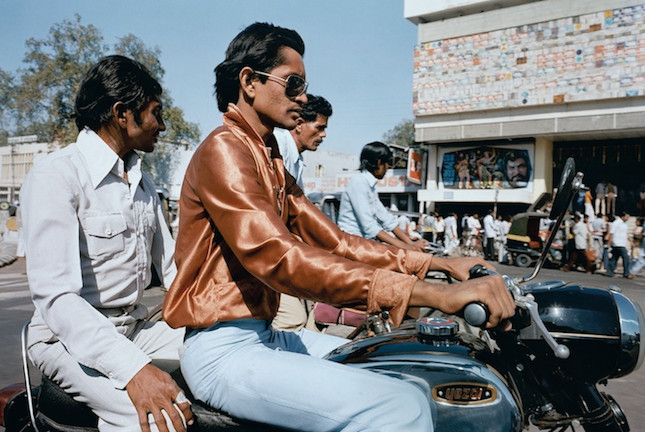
(104, 234)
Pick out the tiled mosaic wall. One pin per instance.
(587, 57)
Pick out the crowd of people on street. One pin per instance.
(593, 245)
(468, 235)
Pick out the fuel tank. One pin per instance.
(464, 393)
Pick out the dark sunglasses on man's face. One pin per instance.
(294, 85)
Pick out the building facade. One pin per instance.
(506, 91)
(17, 159)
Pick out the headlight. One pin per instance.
(632, 326)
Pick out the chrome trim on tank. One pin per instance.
(583, 336)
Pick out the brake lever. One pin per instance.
(528, 303)
(477, 314)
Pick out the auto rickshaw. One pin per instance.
(525, 239)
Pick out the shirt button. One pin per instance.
(108, 231)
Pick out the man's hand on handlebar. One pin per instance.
(458, 268)
(453, 298)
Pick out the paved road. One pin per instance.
(16, 308)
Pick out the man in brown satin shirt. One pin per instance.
(247, 233)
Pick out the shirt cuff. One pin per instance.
(124, 361)
(390, 291)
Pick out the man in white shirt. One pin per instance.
(503, 227)
(93, 228)
(473, 229)
(581, 241)
(490, 232)
(308, 134)
(617, 239)
(452, 238)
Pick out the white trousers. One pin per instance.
(113, 406)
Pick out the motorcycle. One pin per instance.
(566, 340)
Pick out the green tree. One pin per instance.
(39, 98)
(6, 91)
(401, 135)
(180, 133)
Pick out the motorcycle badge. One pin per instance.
(463, 393)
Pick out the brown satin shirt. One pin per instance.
(248, 233)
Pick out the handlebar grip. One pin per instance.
(479, 270)
(476, 314)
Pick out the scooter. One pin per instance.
(566, 340)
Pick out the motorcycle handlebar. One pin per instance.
(477, 313)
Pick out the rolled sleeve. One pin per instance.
(390, 291)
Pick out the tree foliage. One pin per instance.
(39, 98)
(401, 135)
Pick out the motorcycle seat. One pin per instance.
(60, 411)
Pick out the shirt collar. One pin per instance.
(102, 160)
(370, 178)
(233, 116)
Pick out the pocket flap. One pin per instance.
(105, 225)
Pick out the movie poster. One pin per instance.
(486, 168)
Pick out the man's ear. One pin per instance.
(119, 113)
(299, 123)
(247, 82)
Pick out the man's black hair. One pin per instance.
(113, 79)
(258, 47)
(315, 105)
(374, 152)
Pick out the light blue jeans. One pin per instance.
(638, 263)
(253, 372)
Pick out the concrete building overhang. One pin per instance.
(610, 119)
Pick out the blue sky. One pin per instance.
(359, 53)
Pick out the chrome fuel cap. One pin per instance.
(437, 326)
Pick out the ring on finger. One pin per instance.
(181, 398)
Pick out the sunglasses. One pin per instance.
(294, 85)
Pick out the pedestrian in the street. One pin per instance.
(638, 263)
(618, 240)
(581, 240)
(503, 226)
(451, 236)
(440, 229)
(598, 231)
(490, 232)
(637, 238)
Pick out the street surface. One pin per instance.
(16, 308)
